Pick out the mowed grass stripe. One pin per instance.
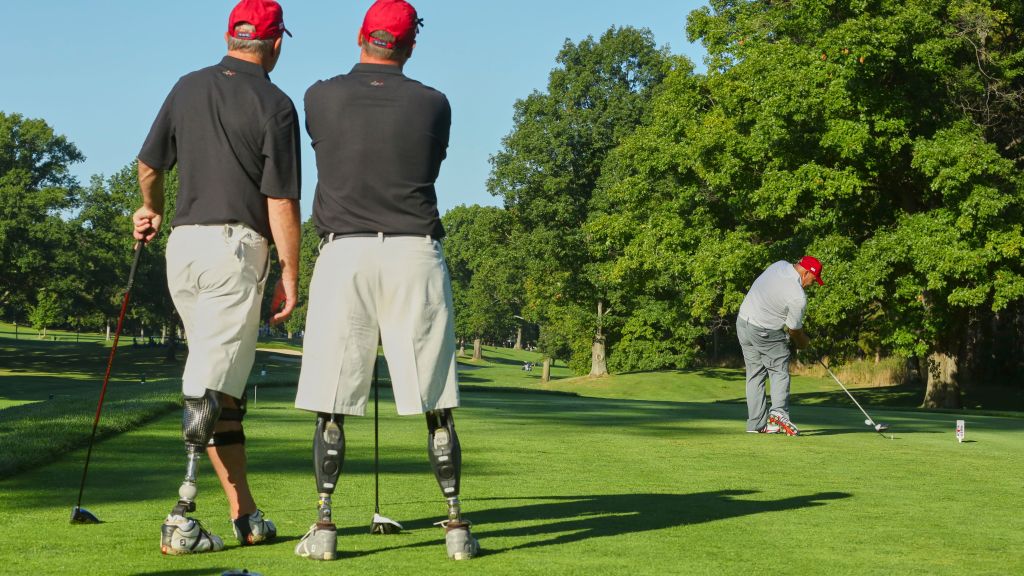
(567, 485)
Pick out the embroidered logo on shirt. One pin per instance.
(228, 72)
(376, 83)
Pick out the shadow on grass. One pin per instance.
(567, 519)
(193, 572)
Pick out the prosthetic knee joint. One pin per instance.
(328, 456)
(197, 422)
(445, 457)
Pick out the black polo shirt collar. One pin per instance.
(237, 65)
(377, 69)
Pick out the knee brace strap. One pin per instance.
(236, 414)
(328, 451)
(444, 451)
(198, 418)
(227, 438)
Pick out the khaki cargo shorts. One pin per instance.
(216, 274)
(392, 287)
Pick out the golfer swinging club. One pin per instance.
(379, 139)
(235, 139)
(771, 314)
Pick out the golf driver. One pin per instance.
(379, 524)
(80, 515)
(869, 420)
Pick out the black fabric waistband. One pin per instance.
(332, 237)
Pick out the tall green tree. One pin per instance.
(36, 191)
(485, 273)
(548, 169)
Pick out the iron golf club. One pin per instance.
(80, 515)
(379, 524)
(869, 420)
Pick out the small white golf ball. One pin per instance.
(868, 422)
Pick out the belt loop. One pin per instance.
(380, 236)
(428, 238)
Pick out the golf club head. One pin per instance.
(80, 515)
(879, 427)
(384, 525)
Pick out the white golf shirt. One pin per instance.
(775, 299)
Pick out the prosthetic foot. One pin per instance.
(180, 535)
(320, 543)
(460, 543)
(446, 460)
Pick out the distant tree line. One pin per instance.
(641, 198)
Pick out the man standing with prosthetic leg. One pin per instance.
(379, 139)
(234, 137)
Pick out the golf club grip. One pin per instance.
(135, 264)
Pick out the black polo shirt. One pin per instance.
(235, 139)
(379, 139)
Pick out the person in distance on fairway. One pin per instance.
(379, 139)
(771, 314)
(235, 139)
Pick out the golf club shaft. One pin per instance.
(376, 439)
(827, 369)
(110, 363)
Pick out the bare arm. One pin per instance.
(799, 337)
(147, 219)
(287, 232)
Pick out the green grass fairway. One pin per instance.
(562, 484)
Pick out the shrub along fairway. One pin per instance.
(562, 484)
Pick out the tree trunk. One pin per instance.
(172, 348)
(108, 331)
(598, 365)
(598, 362)
(545, 371)
(519, 339)
(478, 353)
(462, 346)
(943, 390)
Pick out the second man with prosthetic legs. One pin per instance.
(379, 139)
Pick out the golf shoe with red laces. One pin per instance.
(253, 528)
(784, 424)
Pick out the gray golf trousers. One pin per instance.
(765, 355)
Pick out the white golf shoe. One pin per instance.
(181, 535)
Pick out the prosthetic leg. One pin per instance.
(320, 543)
(180, 534)
(446, 460)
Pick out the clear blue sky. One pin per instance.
(98, 70)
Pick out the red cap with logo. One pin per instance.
(265, 15)
(811, 264)
(396, 17)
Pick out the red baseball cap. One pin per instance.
(266, 15)
(396, 17)
(811, 264)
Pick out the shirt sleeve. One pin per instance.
(282, 171)
(795, 312)
(160, 149)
